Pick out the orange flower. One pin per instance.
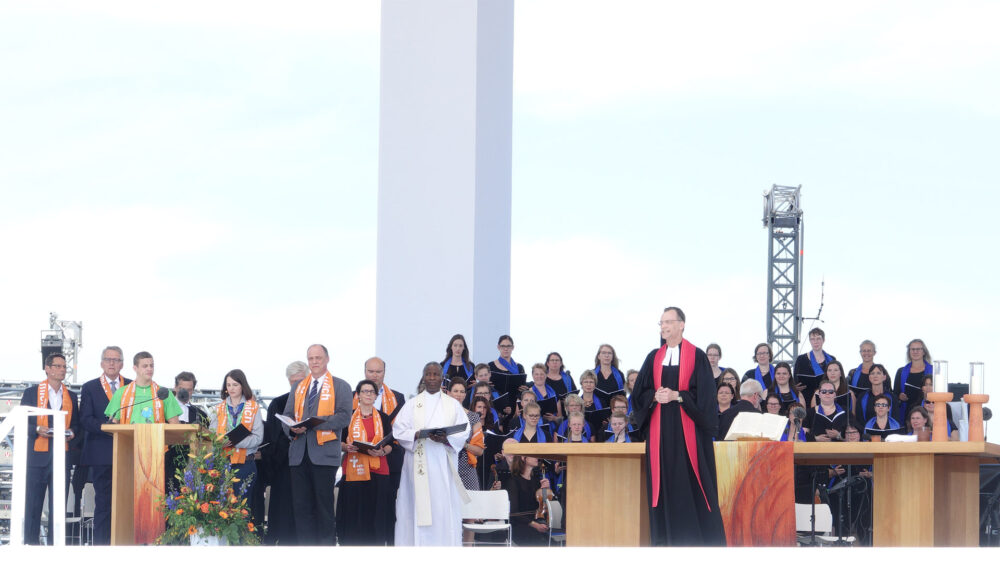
(213, 502)
(213, 473)
(209, 487)
(192, 530)
(232, 499)
(223, 514)
(243, 511)
(180, 512)
(185, 489)
(236, 480)
(202, 471)
(204, 508)
(250, 527)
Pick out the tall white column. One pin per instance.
(444, 201)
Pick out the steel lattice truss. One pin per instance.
(783, 219)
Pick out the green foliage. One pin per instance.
(205, 497)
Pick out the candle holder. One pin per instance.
(940, 400)
(975, 401)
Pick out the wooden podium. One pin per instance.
(926, 494)
(605, 490)
(137, 482)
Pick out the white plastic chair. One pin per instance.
(490, 506)
(824, 522)
(556, 532)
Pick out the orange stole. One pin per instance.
(238, 456)
(42, 443)
(128, 400)
(479, 440)
(326, 406)
(756, 492)
(359, 466)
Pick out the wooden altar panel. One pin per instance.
(756, 492)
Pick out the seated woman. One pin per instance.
(789, 434)
(918, 422)
(366, 493)
(928, 387)
(456, 362)
(784, 387)
(882, 424)
(730, 377)
(724, 396)
(618, 429)
(531, 431)
(573, 404)
(240, 408)
(772, 404)
(523, 486)
(827, 420)
(481, 406)
(764, 371)
(834, 372)
(576, 432)
(878, 385)
(543, 391)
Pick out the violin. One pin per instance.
(541, 496)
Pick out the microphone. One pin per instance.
(798, 414)
(161, 394)
(182, 395)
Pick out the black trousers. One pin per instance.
(312, 500)
(102, 503)
(39, 482)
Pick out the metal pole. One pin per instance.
(18, 497)
(59, 479)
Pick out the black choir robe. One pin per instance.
(274, 464)
(682, 516)
(804, 373)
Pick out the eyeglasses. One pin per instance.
(827, 392)
(111, 360)
(881, 405)
(506, 346)
(367, 391)
(665, 322)
(532, 416)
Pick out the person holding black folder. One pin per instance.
(507, 375)
(546, 396)
(238, 418)
(609, 379)
(910, 376)
(366, 493)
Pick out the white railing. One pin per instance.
(17, 422)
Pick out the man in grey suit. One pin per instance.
(314, 453)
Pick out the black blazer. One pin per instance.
(30, 398)
(97, 445)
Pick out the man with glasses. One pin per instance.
(750, 396)
(98, 445)
(52, 394)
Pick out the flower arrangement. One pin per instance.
(205, 499)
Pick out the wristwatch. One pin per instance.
(680, 399)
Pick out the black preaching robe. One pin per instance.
(682, 516)
(274, 462)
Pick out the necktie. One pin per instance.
(313, 394)
(114, 386)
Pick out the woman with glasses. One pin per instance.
(531, 431)
(724, 396)
(878, 377)
(473, 448)
(557, 376)
(772, 404)
(366, 493)
(827, 420)
(858, 377)
(784, 388)
(882, 424)
(609, 379)
(573, 404)
(730, 377)
(504, 366)
(714, 353)
(906, 385)
(764, 371)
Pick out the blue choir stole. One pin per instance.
(857, 376)
(567, 380)
(468, 369)
(549, 392)
(893, 424)
(539, 433)
(616, 373)
(563, 430)
(784, 434)
(760, 377)
(509, 365)
(817, 369)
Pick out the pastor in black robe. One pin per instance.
(280, 526)
(682, 516)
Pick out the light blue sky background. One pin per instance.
(201, 181)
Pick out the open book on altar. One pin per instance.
(425, 433)
(750, 425)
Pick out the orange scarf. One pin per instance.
(358, 465)
(107, 387)
(128, 398)
(388, 401)
(479, 440)
(238, 456)
(325, 407)
(42, 443)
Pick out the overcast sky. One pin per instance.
(200, 180)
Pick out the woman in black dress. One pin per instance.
(524, 483)
(764, 371)
(827, 421)
(784, 388)
(558, 378)
(882, 424)
(456, 364)
(878, 385)
(834, 372)
(609, 378)
(906, 385)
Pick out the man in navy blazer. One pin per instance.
(98, 445)
(55, 396)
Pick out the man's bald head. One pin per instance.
(375, 370)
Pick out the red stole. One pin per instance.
(687, 351)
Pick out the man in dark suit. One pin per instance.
(184, 385)
(98, 445)
(314, 453)
(750, 395)
(54, 395)
(389, 402)
(275, 471)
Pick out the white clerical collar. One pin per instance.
(673, 356)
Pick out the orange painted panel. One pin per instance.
(756, 492)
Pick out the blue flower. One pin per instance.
(171, 503)
(189, 478)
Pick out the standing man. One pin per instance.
(51, 394)
(177, 455)
(430, 467)
(280, 528)
(139, 401)
(674, 398)
(98, 445)
(389, 402)
(314, 453)
(809, 367)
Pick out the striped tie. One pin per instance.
(313, 394)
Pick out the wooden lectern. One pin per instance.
(137, 482)
(601, 478)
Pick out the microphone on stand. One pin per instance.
(798, 414)
(161, 394)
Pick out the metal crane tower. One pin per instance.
(783, 221)
(66, 337)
